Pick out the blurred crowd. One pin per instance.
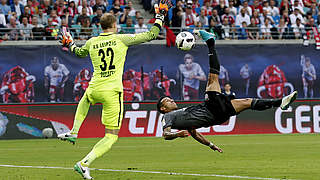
(42, 20)
(249, 19)
(228, 19)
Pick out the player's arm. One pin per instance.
(201, 139)
(168, 135)
(66, 40)
(133, 39)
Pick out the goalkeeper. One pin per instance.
(108, 52)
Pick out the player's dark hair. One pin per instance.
(227, 83)
(159, 104)
(107, 20)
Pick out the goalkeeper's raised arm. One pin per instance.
(109, 26)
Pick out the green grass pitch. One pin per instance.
(295, 156)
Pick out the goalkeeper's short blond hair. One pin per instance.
(107, 20)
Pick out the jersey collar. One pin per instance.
(106, 34)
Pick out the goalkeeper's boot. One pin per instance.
(84, 171)
(68, 137)
(287, 100)
(204, 34)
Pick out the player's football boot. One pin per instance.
(287, 100)
(84, 171)
(204, 34)
(68, 137)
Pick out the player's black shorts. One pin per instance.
(219, 105)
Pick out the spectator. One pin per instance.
(242, 17)
(296, 5)
(132, 11)
(227, 16)
(286, 17)
(266, 29)
(27, 13)
(13, 33)
(188, 18)
(236, 3)
(266, 8)
(51, 31)
(87, 7)
(96, 19)
(116, 7)
(192, 75)
(314, 9)
(243, 31)
(256, 6)
(177, 14)
(296, 15)
(17, 7)
(202, 18)
(195, 4)
(60, 8)
(282, 29)
(274, 9)
(215, 16)
(247, 8)
(226, 28)
(256, 17)
(124, 16)
(298, 29)
(99, 4)
(207, 8)
(215, 28)
(122, 2)
(33, 9)
(42, 18)
(265, 15)
(284, 6)
(72, 9)
(3, 22)
(128, 28)
(300, 3)
(221, 7)
(46, 7)
(233, 10)
(55, 17)
(37, 29)
(309, 27)
(82, 17)
(140, 26)
(25, 29)
(86, 29)
(6, 10)
(253, 30)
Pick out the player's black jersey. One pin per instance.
(231, 95)
(216, 110)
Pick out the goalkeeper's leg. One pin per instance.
(81, 113)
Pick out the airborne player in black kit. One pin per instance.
(215, 110)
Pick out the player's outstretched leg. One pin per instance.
(81, 113)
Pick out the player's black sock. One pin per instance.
(213, 57)
(263, 104)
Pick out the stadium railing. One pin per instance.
(230, 33)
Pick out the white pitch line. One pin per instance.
(147, 172)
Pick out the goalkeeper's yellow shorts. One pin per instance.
(112, 106)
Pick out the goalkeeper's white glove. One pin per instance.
(66, 39)
(162, 9)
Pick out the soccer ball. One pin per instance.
(47, 132)
(185, 41)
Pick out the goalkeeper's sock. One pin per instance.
(81, 113)
(214, 63)
(263, 104)
(103, 146)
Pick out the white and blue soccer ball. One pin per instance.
(185, 41)
(47, 132)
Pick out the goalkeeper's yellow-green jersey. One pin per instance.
(108, 53)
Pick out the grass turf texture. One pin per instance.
(269, 156)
